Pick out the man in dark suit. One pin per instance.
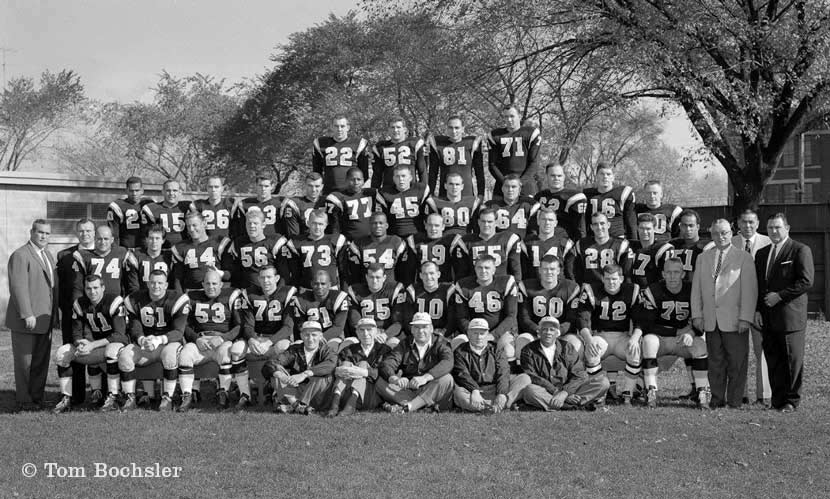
(32, 313)
(785, 274)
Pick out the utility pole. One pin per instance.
(5, 50)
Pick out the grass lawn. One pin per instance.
(672, 451)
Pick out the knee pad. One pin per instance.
(64, 355)
(238, 350)
(170, 356)
(186, 355)
(126, 359)
(111, 352)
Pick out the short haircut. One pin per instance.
(612, 268)
(550, 259)
(690, 213)
(157, 272)
(313, 177)
(602, 165)
(156, 228)
(749, 211)
(780, 216)
(84, 221)
(353, 170)
(546, 210)
(487, 257)
(645, 217)
(508, 107)
(396, 119)
(374, 267)
(429, 263)
(598, 214)
(103, 226)
(193, 214)
(400, 167)
(510, 177)
(319, 214)
(170, 181)
(553, 165)
(215, 177)
(134, 180)
(254, 212)
(487, 211)
(262, 178)
(379, 214)
(454, 174)
(92, 278)
(649, 183)
(267, 268)
(338, 117)
(455, 117)
(673, 259)
(436, 215)
(40, 221)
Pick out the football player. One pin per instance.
(303, 374)
(379, 247)
(456, 210)
(404, 204)
(380, 299)
(607, 322)
(615, 202)
(666, 215)
(265, 200)
(157, 318)
(398, 150)
(688, 246)
(455, 153)
(213, 328)
(217, 210)
(192, 258)
(351, 209)
(307, 255)
(142, 261)
(547, 242)
(431, 246)
(99, 332)
(267, 321)
(417, 373)
(334, 156)
(505, 248)
(432, 296)
(104, 260)
(124, 215)
(514, 212)
(668, 331)
(254, 251)
(169, 214)
(357, 372)
(295, 210)
(514, 149)
(647, 254)
(325, 305)
(598, 250)
(481, 372)
(569, 204)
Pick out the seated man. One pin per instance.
(483, 382)
(416, 373)
(267, 323)
(157, 318)
(559, 379)
(302, 375)
(99, 332)
(668, 331)
(357, 371)
(213, 329)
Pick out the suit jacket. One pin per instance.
(760, 241)
(31, 292)
(791, 277)
(721, 302)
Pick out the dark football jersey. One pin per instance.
(67, 277)
(536, 303)
(601, 311)
(513, 152)
(308, 256)
(458, 215)
(666, 220)
(464, 157)
(271, 208)
(351, 214)
(111, 267)
(519, 217)
(534, 249)
(387, 154)
(295, 212)
(665, 312)
(590, 257)
(423, 249)
(688, 253)
(438, 303)
(267, 315)
(331, 312)
(191, 260)
(251, 257)
(389, 252)
(124, 218)
(618, 205)
(405, 210)
(148, 317)
(570, 206)
(505, 247)
(169, 217)
(333, 159)
(647, 264)
(218, 217)
(140, 264)
(96, 321)
(385, 306)
(214, 316)
(494, 302)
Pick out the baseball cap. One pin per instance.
(366, 322)
(309, 325)
(421, 319)
(478, 324)
(549, 321)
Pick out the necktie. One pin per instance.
(748, 247)
(46, 264)
(771, 262)
(717, 266)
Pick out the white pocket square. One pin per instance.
(785, 263)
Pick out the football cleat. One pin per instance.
(64, 405)
(243, 403)
(222, 399)
(143, 400)
(395, 408)
(166, 404)
(283, 408)
(651, 397)
(626, 399)
(130, 404)
(704, 398)
(187, 402)
(96, 397)
(110, 404)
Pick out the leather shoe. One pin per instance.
(787, 408)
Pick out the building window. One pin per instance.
(63, 215)
(788, 193)
(788, 156)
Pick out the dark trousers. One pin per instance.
(785, 362)
(78, 370)
(31, 365)
(728, 354)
